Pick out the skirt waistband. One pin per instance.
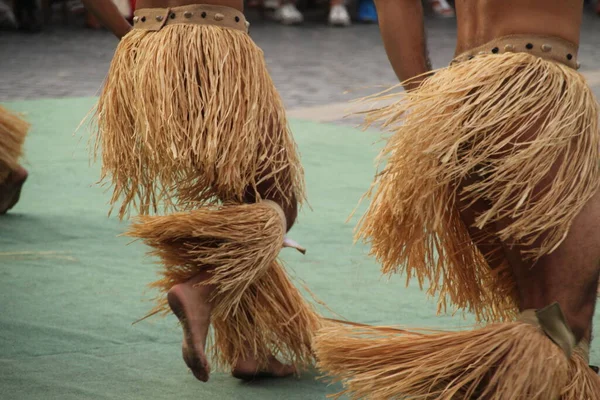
(546, 47)
(154, 19)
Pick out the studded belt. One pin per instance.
(154, 19)
(546, 47)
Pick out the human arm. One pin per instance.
(109, 16)
(403, 32)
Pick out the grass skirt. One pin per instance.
(502, 361)
(13, 130)
(512, 121)
(273, 318)
(584, 383)
(238, 243)
(256, 307)
(190, 116)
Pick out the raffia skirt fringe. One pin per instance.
(13, 130)
(190, 116)
(502, 361)
(257, 311)
(509, 120)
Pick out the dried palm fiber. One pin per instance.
(502, 361)
(584, 382)
(237, 242)
(188, 116)
(510, 120)
(13, 130)
(256, 307)
(272, 319)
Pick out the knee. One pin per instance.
(291, 213)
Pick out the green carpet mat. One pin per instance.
(70, 288)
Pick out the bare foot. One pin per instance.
(10, 189)
(191, 305)
(247, 370)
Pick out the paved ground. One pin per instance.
(312, 65)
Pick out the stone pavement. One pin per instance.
(312, 65)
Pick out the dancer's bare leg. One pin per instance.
(569, 275)
(10, 189)
(190, 302)
(248, 368)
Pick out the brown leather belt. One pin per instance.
(154, 19)
(546, 47)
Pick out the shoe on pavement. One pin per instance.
(338, 16)
(288, 14)
(441, 8)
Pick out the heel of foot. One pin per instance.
(175, 304)
(192, 351)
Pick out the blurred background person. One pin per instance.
(441, 8)
(287, 13)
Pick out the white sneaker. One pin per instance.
(338, 16)
(288, 14)
(441, 8)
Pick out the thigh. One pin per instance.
(569, 275)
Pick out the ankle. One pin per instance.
(580, 323)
